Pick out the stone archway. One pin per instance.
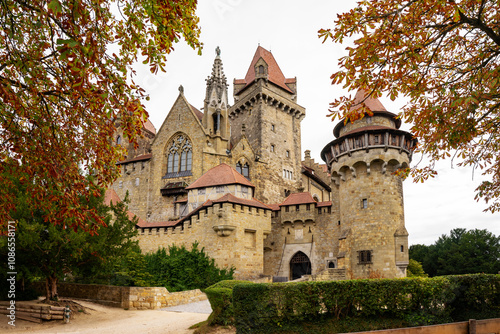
(299, 265)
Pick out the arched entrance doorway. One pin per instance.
(299, 265)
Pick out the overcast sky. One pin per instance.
(289, 30)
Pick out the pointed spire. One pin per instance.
(216, 103)
(217, 80)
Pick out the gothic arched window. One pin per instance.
(118, 140)
(246, 171)
(243, 169)
(179, 157)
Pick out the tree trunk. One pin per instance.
(51, 288)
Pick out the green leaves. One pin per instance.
(55, 7)
(270, 308)
(461, 252)
(180, 269)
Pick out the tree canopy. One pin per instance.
(443, 57)
(65, 77)
(461, 252)
(52, 252)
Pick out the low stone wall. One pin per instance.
(330, 274)
(139, 298)
(128, 297)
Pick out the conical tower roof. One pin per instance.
(373, 104)
(275, 75)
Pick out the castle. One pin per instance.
(231, 178)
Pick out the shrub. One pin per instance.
(220, 296)
(415, 301)
(180, 269)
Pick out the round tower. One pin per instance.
(362, 161)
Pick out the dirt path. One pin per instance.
(108, 320)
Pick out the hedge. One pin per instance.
(220, 296)
(260, 308)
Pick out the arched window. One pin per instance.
(246, 171)
(216, 118)
(261, 69)
(179, 157)
(118, 140)
(243, 169)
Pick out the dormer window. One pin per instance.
(261, 69)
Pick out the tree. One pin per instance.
(462, 252)
(65, 77)
(180, 269)
(443, 56)
(415, 269)
(52, 252)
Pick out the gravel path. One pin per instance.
(197, 307)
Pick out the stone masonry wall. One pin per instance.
(232, 235)
(372, 226)
(314, 232)
(151, 298)
(132, 298)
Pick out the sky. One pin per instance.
(289, 29)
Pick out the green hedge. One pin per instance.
(418, 301)
(220, 296)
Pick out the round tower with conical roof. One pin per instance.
(362, 161)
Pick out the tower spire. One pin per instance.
(217, 81)
(216, 103)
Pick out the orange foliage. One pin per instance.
(61, 88)
(444, 58)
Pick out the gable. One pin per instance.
(182, 115)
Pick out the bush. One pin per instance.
(220, 296)
(415, 301)
(476, 296)
(180, 269)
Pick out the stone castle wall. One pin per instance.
(306, 230)
(231, 234)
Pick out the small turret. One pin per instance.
(362, 161)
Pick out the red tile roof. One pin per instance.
(149, 126)
(184, 200)
(230, 198)
(222, 174)
(274, 72)
(274, 207)
(198, 113)
(145, 224)
(323, 204)
(111, 196)
(373, 104)
(142, 157)
(298, 198)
